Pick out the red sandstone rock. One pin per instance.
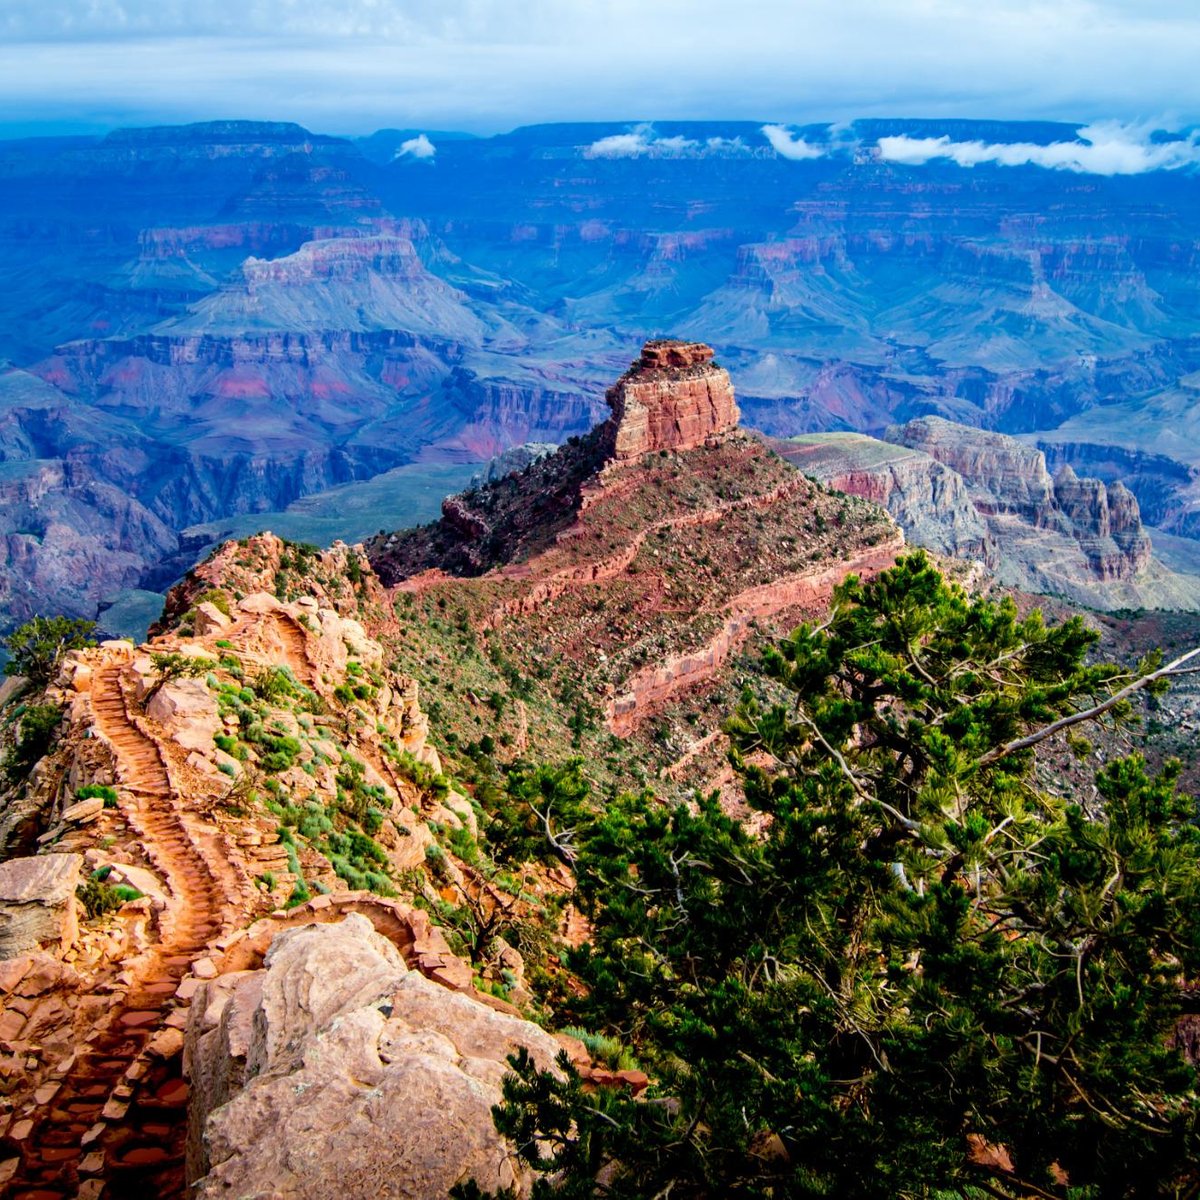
(673, 398)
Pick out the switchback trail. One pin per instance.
(114, 1126)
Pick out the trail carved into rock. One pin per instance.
(115, 1123)
(664, 680)
(295, 648)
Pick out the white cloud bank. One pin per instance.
(787, 145)
(417, 147)
(1103, 148)
(1107, 148)
(643, 142)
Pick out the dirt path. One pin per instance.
(295, 648)
(655, 685)
(115, 1124)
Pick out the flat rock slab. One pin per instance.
(37, 902)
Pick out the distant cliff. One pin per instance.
(987, 496)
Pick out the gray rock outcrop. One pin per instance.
(975, 494)
(337, 1071)
(515, 458)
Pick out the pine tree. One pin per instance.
(930, 974)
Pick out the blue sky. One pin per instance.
(487, 65)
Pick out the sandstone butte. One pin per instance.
(261, 803)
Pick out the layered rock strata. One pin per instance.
(647, 552)
(1007, 478)
(988, 497)
(37, 903)
(674, 397)
(929, 500)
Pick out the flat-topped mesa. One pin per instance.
(673, 398)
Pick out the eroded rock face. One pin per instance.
(337, 1071)
(37, 903)
(1009, 479)
(928, 499)
(1106, 523)
(985, 496)
(673, 398)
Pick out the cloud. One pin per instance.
(417, 147)
(643, 142)
(487, 65)
(787, 145)
(1106, 148)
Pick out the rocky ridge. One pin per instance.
(286, 694)
(990, 497)
(643, 554)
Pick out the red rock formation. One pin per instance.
(673, 398)
(808, 590)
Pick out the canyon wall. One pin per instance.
(986, 496)
(1008, 478)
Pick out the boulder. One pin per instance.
(397, 1076)
(209, 619)
(187, 711)
(259, 604)
(37, 903)
(84, 811)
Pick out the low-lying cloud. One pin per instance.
(644, 142)
(417, 147)
(789, 145)
(1102, 149)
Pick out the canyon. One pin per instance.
(219, 879)
(246, 316)
(251, 935)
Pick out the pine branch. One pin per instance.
(1088, 714)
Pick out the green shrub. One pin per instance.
(275, 683)
(218, 599)
(100, 898)
(39, 724)
(91, 790)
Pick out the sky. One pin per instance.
(351, 66)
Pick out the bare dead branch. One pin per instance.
(1088, 714)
